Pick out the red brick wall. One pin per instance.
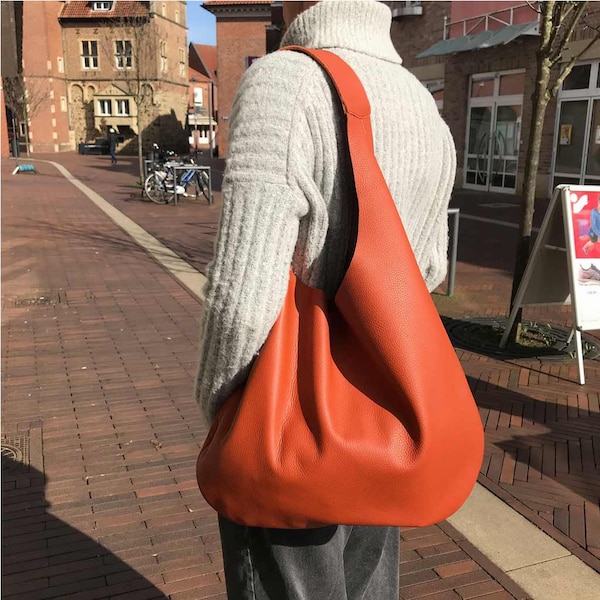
(236, 39)
(501, 8)
(42, 49)
(414, 34)
(517, 55)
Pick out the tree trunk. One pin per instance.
(532, 162)
(140, 146)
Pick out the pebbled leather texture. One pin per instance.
(356, 411)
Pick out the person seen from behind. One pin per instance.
(112, 145)
(287, 195)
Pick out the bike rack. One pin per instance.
(193, 168)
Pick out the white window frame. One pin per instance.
(163, 57)
(102, 104)
(182, 62)
(63, 103)
(122, 102)
(123, 54)
(22, 129)
(589, 94)
(198, 96)
(60, 64)
(89, 58)
(102, 5)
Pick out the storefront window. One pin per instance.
(512, 84)
(593, 159)
(573, 117)
(482, 88)
(578, 78)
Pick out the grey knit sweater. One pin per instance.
(287, 181)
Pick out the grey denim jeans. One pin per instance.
(339, 562)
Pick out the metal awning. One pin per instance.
(478, 41)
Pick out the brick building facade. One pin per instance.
(134, 53)
(42, 114)
(241, 37)
(84, 63)
(203, 98)
(486, 91)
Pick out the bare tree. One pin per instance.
(25, 96)
(558, 22)
(135, 46)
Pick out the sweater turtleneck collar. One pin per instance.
(359, 25)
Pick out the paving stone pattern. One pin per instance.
(98, 353)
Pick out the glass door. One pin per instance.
(571, 141)
(494, 128)
(505, 149)
(478, 149)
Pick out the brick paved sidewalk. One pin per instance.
(542, 428)
(98, 353)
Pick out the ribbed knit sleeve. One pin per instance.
(248, 277)
(431, 247)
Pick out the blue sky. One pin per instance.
(201, 24)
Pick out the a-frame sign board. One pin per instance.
(564, 267)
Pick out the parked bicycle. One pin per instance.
(169, 179)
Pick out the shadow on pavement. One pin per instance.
(45, 557)
(545, 452)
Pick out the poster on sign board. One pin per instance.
(564, 267)
(581, 208)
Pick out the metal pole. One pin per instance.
(580, 356)
(455, 214)
(210, 119)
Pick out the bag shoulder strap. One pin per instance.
(376, 207)
(349, 87)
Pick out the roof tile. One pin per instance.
(76, 9)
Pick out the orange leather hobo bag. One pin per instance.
(356, 411)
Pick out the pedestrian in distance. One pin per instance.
(285, 203)
(112, 145)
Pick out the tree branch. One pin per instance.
(566, 37)
(561, 12)
(569, 66)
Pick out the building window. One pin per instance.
(436, 87)
(182, 62)
(63, 103)
(60, 65)
(198, 97)
(123, 108)
(164, 10)
(163, 57)
(105, 108)
(22, 128)
(578, 78)
(89, 54)
(102, 6)
(123, 54)
(176, 16)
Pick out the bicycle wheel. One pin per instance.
(202, 181)
(156, 189)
